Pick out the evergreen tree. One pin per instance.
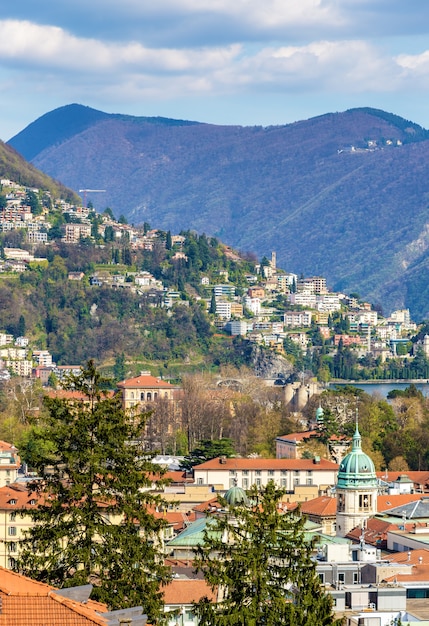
(92, 524)
(258, 557)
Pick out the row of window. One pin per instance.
(271, 472)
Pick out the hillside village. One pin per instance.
(282, 311)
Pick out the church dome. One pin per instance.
(356, 469)
(236, 496)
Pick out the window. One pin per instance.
(11, 531)
(12, 546)
(232, 472)
(12, 563)
(283, 473)
(200, 481)
(142, 395)
(309, 481)
(258, 482)
(245, 483)
(149, 396)
(341, 577)
(258, 472)
(364, 502)
(270, 472)
(309, 473)
(33, 502)
(245, 472)
(12, 501)
(12, 516)
(284, 482)
(340, 502)
(355, 578)
(296, 481)
(322, 577)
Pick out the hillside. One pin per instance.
(344, 195)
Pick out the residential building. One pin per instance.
(75, 232)
(179, 596)
(143, 389)
(287, 446)
(297, 319)
(9, 463)
(223, 309)
(289, 474)
(305, 299)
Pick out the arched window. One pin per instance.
(149, 396)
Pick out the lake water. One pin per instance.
(383, 388)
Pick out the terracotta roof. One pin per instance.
(418, 573)
(187, 591)
(209, 505)
(418, 477)
(25, 602)
(413, 557)
(375, 532)
(227, 464)
(20, 494)
(323, 506)
(386, 502)
(294, 437)
(143, 381)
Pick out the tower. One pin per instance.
(356, 488)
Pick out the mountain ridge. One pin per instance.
(344, 195)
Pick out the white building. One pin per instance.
(224, 473)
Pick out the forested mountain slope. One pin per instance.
(343, 195)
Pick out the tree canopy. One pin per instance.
(256, 555)
(93, 523)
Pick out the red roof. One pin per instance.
(324, 506)
(412, 557)
(187, 591)
(25, 602)
(384, 503)
(145, 381)
(294, 437)
(17, 496)
(226, 464)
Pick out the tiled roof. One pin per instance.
(25, 602)
(144, 381)
(418, 477)
(323, 506)
(418, 573)
(227, 464)
(187, 591)
(387, 502)
(295, 437)
(412, 557)
(21, 494)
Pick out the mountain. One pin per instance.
(14, 167)
(345, 195)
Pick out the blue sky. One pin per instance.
(247, 62)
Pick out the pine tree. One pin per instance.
(92, 524)
(257, 557)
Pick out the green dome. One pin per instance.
(356, 469)
(319, 414)
(235, 496)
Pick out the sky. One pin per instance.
(233, 62)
